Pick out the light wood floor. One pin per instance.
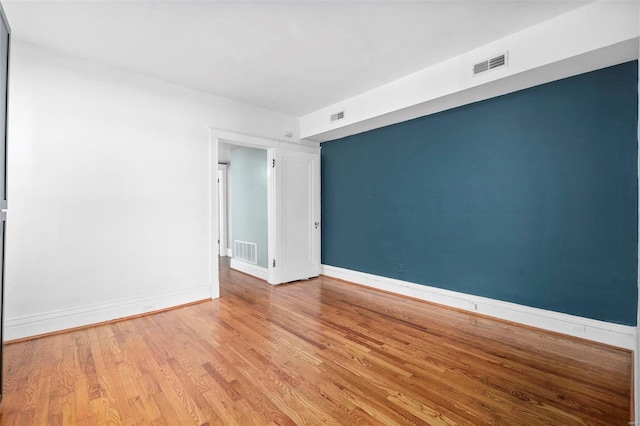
(319, 351)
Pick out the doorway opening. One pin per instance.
(243, 208)
(292, 207)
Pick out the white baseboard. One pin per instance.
(622, 336)
(249, 268)
(229, 252)
(48, 322)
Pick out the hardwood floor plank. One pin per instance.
(317, 351)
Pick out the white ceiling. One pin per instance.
(292, 57)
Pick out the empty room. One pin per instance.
(319, 212)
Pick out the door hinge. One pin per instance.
(273, 163)
(274, 263)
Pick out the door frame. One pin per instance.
(223, 211)
(271, 146)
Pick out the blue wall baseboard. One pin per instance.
(529, 198)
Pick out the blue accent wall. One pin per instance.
(529, 197)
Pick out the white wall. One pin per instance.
(109, 190)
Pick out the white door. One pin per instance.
(4, 80)
(297, 216)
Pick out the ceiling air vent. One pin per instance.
(337, 116)
(490, 64)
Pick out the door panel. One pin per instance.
(5, 45)
(4, 70)
(297, 201)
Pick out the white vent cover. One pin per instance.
(490, 64)
(245, 251)
(337, 116)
